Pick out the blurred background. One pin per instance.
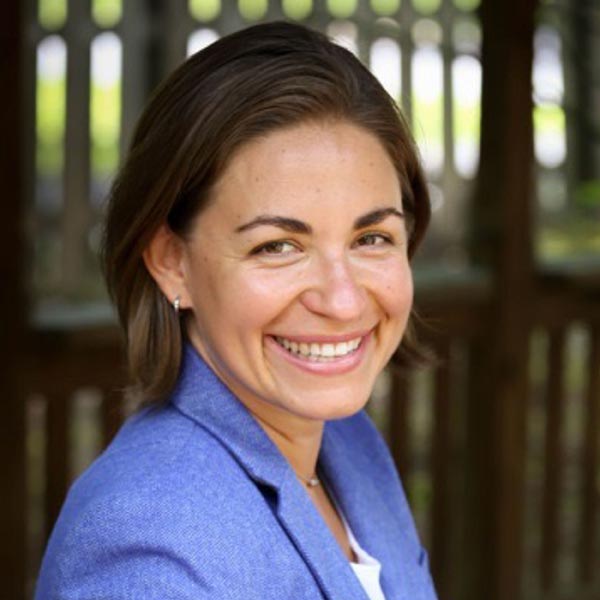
(498, 441)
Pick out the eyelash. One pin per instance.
(264, 248)
(386, 238)
(268, 247)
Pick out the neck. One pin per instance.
(297, 439)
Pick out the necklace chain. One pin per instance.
(310, 482)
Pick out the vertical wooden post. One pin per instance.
(553, 458)
(12, 307)
(441, 452)
(501, 241)
(590, 509)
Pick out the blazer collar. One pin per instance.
(203, 397)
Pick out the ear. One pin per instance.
(163, 258)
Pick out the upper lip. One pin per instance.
(325, 339)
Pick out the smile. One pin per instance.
(318, 352)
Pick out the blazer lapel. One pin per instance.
(377, 526)
(316, 544)
(202, 396)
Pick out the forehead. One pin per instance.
(310, 166)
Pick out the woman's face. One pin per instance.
(296, 273)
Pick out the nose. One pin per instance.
(336, 292)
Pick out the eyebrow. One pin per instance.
(376, 216)
(286, 223)
(297, 226)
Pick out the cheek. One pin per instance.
(394, 285)
(241, 300)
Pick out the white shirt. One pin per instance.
(367, 569)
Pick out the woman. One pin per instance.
(257, 248)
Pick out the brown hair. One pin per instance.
(246, 84)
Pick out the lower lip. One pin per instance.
(335, 366)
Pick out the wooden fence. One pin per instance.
(74, 378)
(498, 444)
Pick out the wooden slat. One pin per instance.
(406, 53)
(139, 66)
(589, 552)
(398, 424)
(442, 474)
(178, 25)
(76, 207)
(57, 455)
(112, 413)
(575, 593)
(553, 462)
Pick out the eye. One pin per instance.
(374, 239)
(275, 248)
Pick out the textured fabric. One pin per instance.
(193, 500)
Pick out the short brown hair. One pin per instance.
(244, 85)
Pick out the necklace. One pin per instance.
(310, 482)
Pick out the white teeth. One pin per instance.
(341, 349)
(316, 351)
(328, 350)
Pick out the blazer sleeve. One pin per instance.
(113, 551)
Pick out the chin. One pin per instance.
(330, 409)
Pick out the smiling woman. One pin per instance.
(257, 247)
(304, 241)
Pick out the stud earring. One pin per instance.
(177, 303)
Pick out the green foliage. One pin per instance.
(428, 121)
(105, 116)
(426, 7)
(205, 10)
(587, 196)
(385, 7)
(549, 118)
(573, 236)
(50, 124)
(52, 14)
(253, 10)
(342, 9)
(107, 13)
(467, 5)
(297, 9)
(466, 122)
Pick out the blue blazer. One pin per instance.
(192, 500)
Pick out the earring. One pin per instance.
(177, 303)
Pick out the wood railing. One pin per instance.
(75, 377)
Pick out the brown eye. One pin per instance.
(374, 239)
(275, 248)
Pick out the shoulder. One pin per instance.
(159, 461)
(150, 508)
(155, 449)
